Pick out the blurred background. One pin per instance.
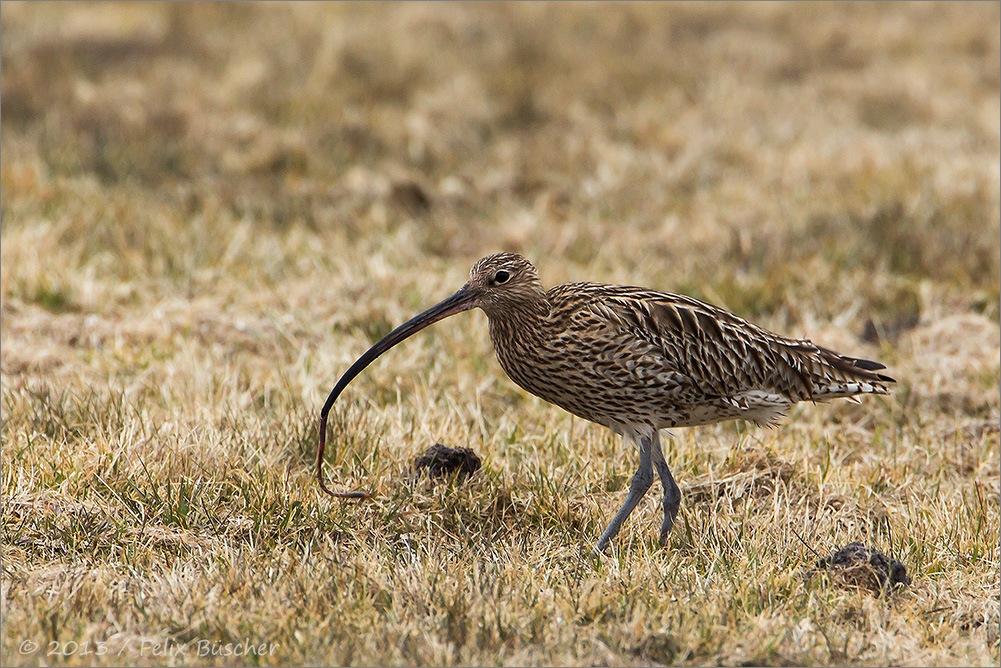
(788, 143)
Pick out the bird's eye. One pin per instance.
(501, 277)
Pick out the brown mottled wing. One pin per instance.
(727, 358)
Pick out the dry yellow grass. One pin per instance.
(210, 210)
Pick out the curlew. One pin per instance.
(634, 360)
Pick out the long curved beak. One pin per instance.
(463, 300)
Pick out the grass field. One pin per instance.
(209, 211)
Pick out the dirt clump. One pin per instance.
(440, 461)
(856, 565)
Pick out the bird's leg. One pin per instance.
(672, 495)
(637, 488)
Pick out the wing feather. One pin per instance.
(725, 357)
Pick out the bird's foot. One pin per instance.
(665, 529)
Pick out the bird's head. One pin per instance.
(501, 282)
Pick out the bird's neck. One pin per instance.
(519, 321)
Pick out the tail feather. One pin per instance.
(869, 365)
(851, 376)
(838, 390)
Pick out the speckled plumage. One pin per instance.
(619, 355)
(636, 361)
